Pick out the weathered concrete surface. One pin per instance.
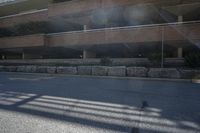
(37, 103)
(164, 73)
(67, 70)
(137, 71)
(84, 70)
(10, 68)
(41, 69)
(31, 69)
(21, 68)
(51, 70)
(100, 70)
(117, 71)
(2, 68)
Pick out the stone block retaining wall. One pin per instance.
(120, 71)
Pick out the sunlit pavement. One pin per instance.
(64, 104)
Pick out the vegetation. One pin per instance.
(192, 60)
(57, 1)
(5, 32)
(105, 61)
(25, 29)
(155, 58)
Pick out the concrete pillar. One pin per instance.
(180, 52)
(85, 27)
(88, 54)
(3, 57)
(23, 56)
(180, 19)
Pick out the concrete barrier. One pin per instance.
(2, 68)
(117, 71)
(137, 72)
(67, 70)
(84, 70)
(100, 70)
(10, 68)
(51, 70)
(41, 69)
(21, 68)
(30, 69)
(120, 71)
(164, 73)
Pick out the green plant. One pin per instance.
(5, 32)
(105, 61)
(31, 28)
(192, 59)
(58, 1)
(155, 57)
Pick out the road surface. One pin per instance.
(39, 103)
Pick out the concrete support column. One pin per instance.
(180, 52)
(88, 54)
(85, 27)
(3, 57)
(180, 19)
(23, 56)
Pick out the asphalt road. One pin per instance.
(36, 103)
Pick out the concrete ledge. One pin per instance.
(20, 68)
(117, 71)
(10, 68)
(121, 71)
(84, 70)
(51, 70)
(67, 70)
(100, 70)
(164, 73)
(41, 69)
(2, 69)
(30, 69)
(137, 71)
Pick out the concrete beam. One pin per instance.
(88, 54)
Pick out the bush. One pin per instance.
(31, 28)
(5, 32)
(25, 29)
(58, 1)
(105, 61)
(156, 58)
(192, 60)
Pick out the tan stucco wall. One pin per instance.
(23, 18)
(22, 41)
(183, 32)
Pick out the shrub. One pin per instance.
(31, 28)
(58, 1)
(105, 61)
(156, 58)
(5, 32)
(192, 59)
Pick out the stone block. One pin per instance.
(2, 68)
(67, 70)
(51, 70)
(84, 70)
(41, 69)
(31, 69)
(21, 68)
(117, 71)
(164, 73)
(100, 70)
(9, 68)
(137, 71)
